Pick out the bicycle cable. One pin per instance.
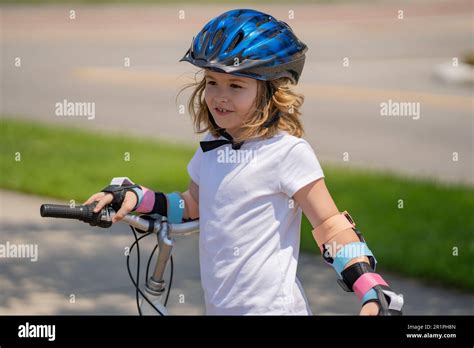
(137, 288)
(136, 283)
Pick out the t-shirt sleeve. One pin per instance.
(194, 166)
(299, 167)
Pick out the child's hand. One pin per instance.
(371, 308)
(106, 198)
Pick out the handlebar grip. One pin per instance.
(81, 212)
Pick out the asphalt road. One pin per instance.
(82, 60)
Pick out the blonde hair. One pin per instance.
(273, 97)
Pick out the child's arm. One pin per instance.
(320, 209)
(318, 206)
(127, 197)
(177, 206)
(191, 201)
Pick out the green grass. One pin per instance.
(72, 164)
(417, 240)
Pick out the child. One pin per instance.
(253, 176)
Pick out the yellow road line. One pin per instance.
(124, 76)
(310, 90)
(451, 102)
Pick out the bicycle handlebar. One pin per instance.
(103, 219)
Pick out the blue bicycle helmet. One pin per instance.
(248, 43)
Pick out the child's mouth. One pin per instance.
(222, 112)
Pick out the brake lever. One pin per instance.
(96, 219)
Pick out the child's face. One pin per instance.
(234, 93)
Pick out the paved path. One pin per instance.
(75, 258)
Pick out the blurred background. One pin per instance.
(406, 179)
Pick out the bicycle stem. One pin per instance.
(155, 284)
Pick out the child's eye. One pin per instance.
(213, 83)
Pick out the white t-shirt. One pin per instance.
(249, 226)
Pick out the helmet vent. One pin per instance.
(261, 21)
(201, 39)
(217, 36)
(238, 38)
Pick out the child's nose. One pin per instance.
(222, 98)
